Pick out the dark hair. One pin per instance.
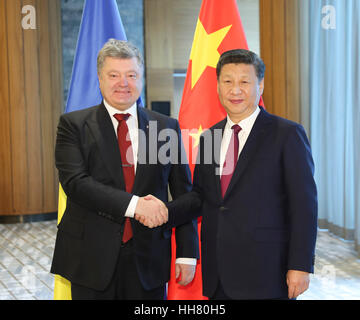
(241, 56)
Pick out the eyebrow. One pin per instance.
(227, 75)
(117, 71)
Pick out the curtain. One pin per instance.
(333, 51)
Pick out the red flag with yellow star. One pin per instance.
(218, 29)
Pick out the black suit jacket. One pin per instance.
(89, 234)
(266, 223)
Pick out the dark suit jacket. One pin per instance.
(89, 234)
(267, 222)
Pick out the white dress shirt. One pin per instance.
(132, 123)
(246, 126)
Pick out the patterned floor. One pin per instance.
(26, 251)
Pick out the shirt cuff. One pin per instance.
(191, 261)
(130, 211)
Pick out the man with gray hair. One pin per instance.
(100, 248)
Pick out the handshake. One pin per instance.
(151, 212)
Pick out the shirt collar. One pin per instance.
(132, 110)
(245, 124)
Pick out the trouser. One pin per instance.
(125, 283)
(221, 295)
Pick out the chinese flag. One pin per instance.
(218, 29)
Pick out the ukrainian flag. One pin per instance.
(100, 21)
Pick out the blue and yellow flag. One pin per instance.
(100, 21)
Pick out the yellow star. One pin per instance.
(196, 136)
(204, 50)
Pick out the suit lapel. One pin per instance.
(104, 133)
(253, 142)
(216, 140)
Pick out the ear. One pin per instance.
(261, 86)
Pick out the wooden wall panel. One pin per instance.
(56, 77)
(292, 60)
(266, 45)
(32, 116)
(47, 133)
(5, 141)
(279, 40)
(17, 105)
(279, 57)
(32, 107)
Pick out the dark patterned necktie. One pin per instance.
(127, 159)
(230, 159)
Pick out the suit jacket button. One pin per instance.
(222, 209)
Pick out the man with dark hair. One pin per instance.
(259, 198)
(241, 56)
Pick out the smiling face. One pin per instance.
(121, 82)
(239, 90)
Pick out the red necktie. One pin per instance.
(127, 160)
(230, 159)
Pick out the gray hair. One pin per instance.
(118, 49)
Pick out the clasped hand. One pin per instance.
(151, 212)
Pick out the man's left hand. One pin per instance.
(298, 282)
(186, 272)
